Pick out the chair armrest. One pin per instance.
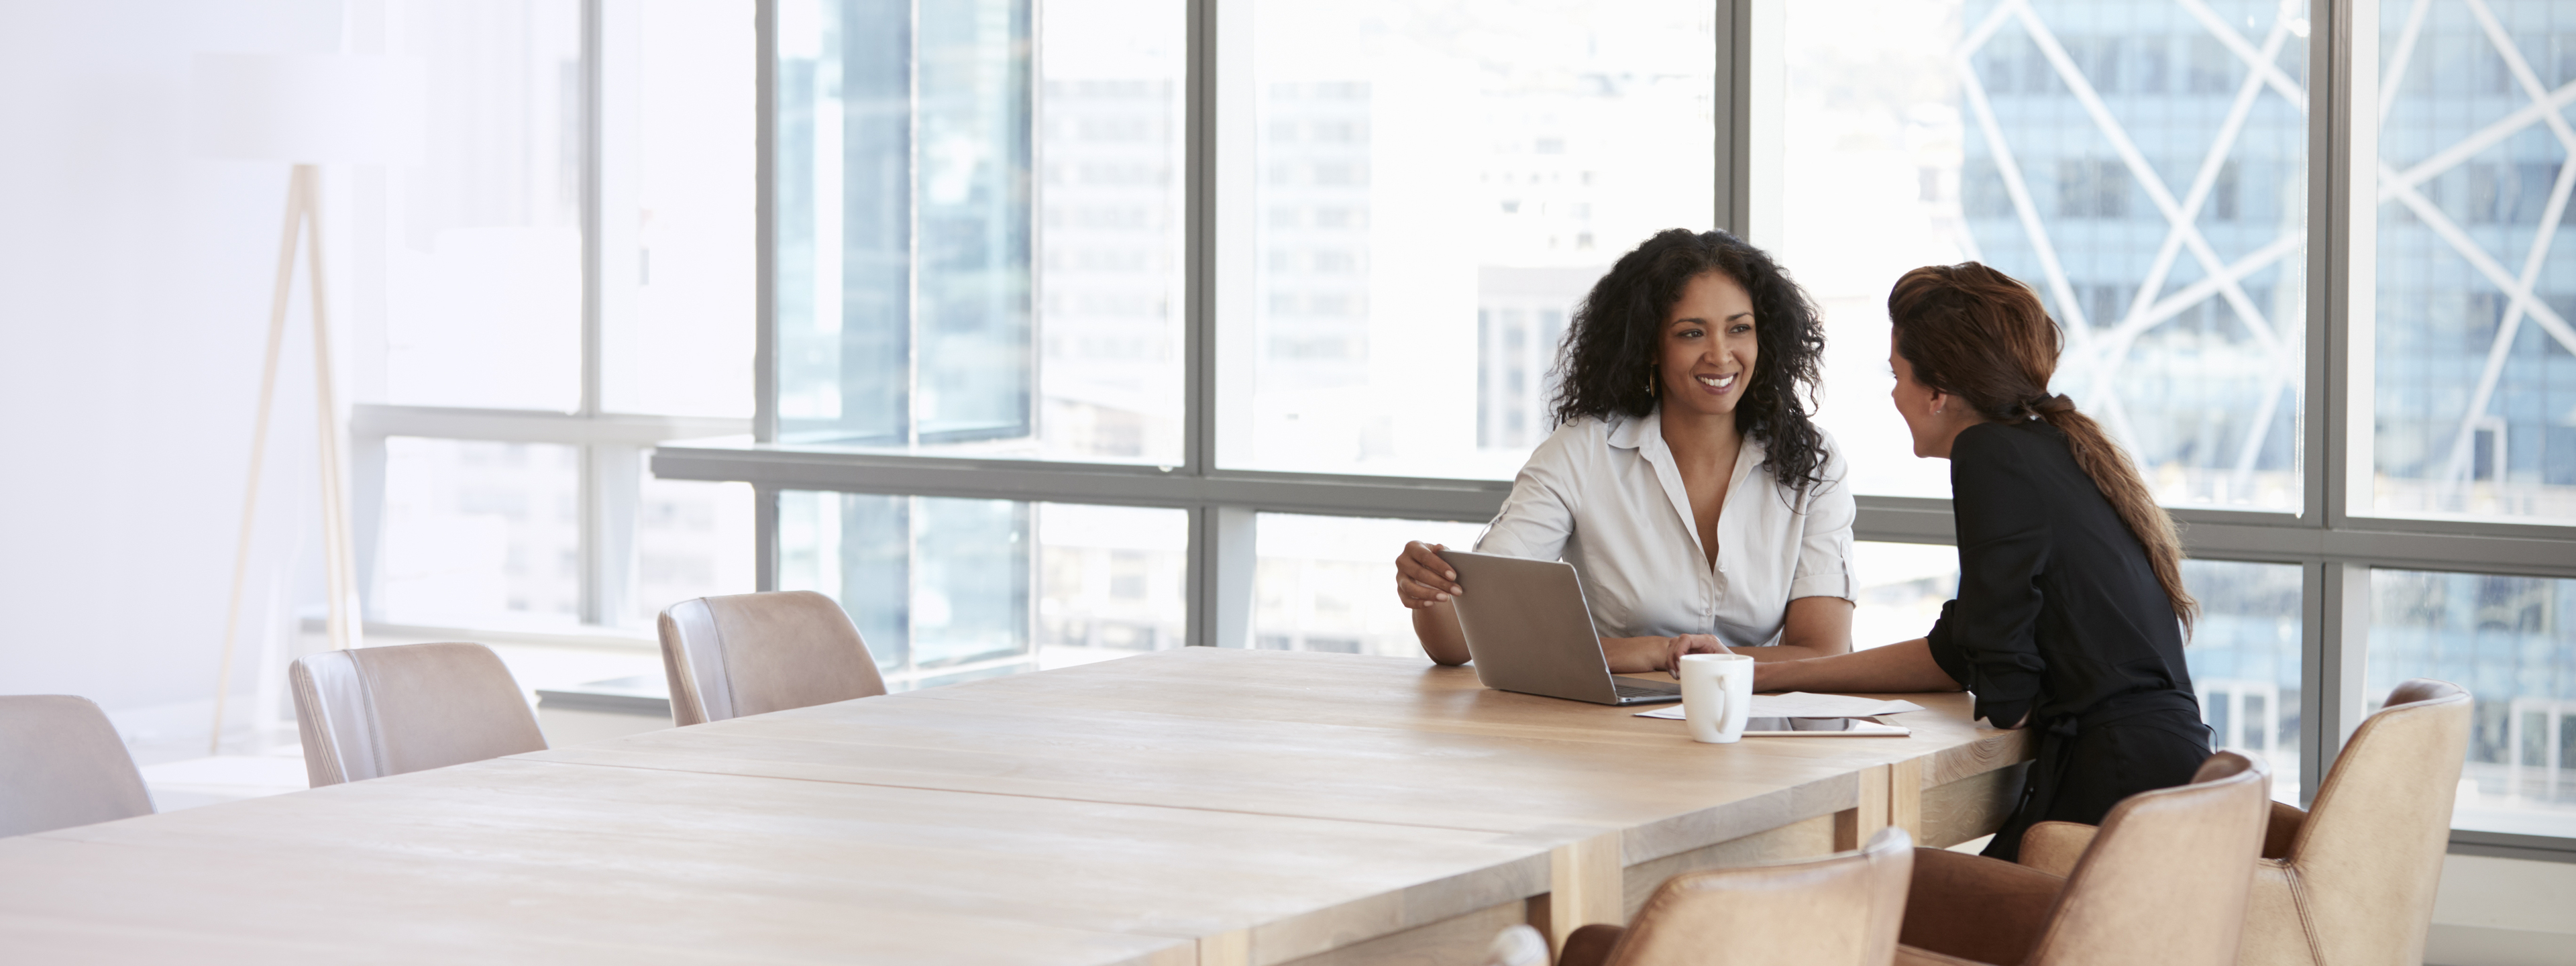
(1976, 908)
(2283, 828)
(1910, 956)
(1591, 945)
(2053, 847)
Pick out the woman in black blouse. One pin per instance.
(2071, 610)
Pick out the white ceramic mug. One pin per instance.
(1717, 695)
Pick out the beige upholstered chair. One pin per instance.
(61, 764)
(1841, 910)
(377, 711)
(2352, 881)
(755, 653)
(2163, 885)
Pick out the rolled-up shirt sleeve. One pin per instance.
(1538, 516)
(1825, 539)
(1986, 639)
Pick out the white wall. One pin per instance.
(133, 300)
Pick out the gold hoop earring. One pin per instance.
(1652, 390)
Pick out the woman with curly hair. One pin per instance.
(1698, 504)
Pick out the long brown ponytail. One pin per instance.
(1978, 334)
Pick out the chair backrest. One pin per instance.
(2164, 883)
(1841, 910)
(377, 711)
(61, 764)
(2369, 856)
(749, 654)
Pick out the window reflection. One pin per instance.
(480, 286)
(979, 226)
(2141, 165)
(479, 534)
(2244, 657)
(1425, 190)
(946, 590)
(2476, 402)
(1328, 583)
(2511, 641)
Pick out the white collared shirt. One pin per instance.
(1608, 498)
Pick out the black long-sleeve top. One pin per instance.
(2058, 608)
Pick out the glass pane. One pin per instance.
(942, 588)
(1902, 588)
(1418, 194)
(2512, 642)
(1111, 582)
(2476, 390)
(978, 249)
(2244, 657)
(677, 284)
(1328, 583)
(692, 539)
(479, 534)
(480, 243)
(2141, 166)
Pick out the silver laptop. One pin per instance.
(1529, 630)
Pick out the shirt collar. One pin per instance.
(1635, 432)
(1632, 432)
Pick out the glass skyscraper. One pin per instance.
(2144, 166)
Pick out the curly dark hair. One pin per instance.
(1608, 356)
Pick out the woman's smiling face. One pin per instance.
(1705, 363)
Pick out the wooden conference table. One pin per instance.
(1202, 805)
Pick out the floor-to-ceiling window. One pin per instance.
(564, 278)
(1095, 326)
(2347, 372)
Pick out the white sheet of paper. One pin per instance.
(1800, 704)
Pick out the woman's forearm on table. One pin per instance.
(1893, 669)
(1636, 655)
(1785, 652)
(1436, 626)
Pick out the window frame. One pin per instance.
(613, 445)
(2335, 546)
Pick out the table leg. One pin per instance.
(1905, 797)
(1226, 949)
(1584, 885)
(1854, 825)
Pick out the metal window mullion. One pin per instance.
(1198, 240)
(1211, 541)
(2335, 639)
(1732, 98)
(1034, 417)
(764, 355)
(764, 535)
(612, 485)
(594, 79)
(592, 484)
(2333, 672)
(1222, 561)
(912, 246)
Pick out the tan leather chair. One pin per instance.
(2351, 882)
(1841, 910)
(751, 654)
(2163, 885)
(61, 764)
(377, 711)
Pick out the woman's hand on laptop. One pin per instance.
(1691, 644)
(1422, 578)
